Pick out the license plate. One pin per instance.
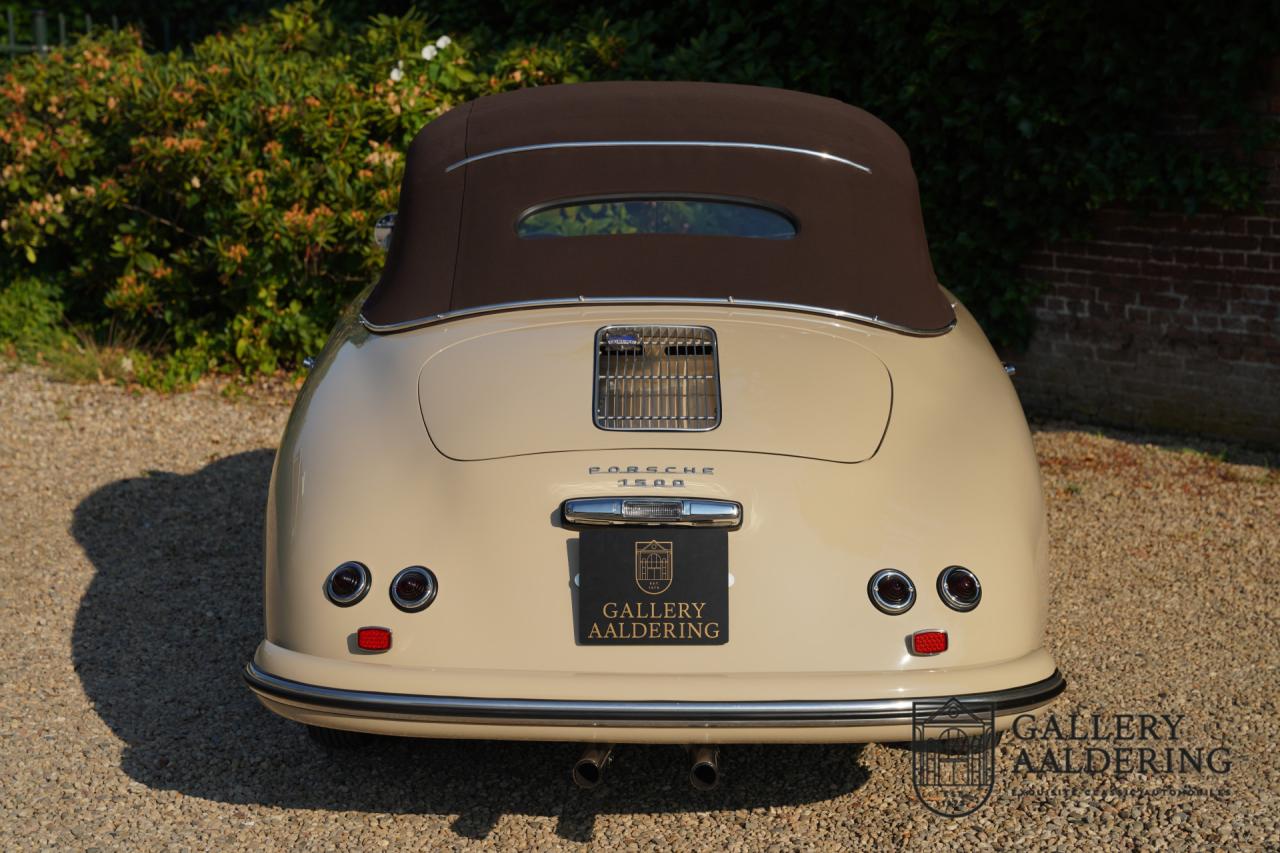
(653, 586)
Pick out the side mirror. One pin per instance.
(382, 230)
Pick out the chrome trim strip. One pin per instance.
(870, 320)
(697, 512)
(658, 143)
(656, 714)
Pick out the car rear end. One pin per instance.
(654, 523)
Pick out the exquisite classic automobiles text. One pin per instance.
(653, 620)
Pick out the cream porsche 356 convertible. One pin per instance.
(656, 428)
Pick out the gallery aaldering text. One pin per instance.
(1091, 744)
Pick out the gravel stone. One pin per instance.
(130, 540)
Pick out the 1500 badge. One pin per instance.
(672, 475)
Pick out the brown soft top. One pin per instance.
(842, 174)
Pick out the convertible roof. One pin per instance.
(842, 174)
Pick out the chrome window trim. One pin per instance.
(694, 512)
(649, 714)
(657, 143)
(712, 198)
(729, 301)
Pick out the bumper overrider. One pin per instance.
(657, 714)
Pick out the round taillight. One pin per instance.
(959, 588)
(891, 591)
(413, 588)
(347, 584)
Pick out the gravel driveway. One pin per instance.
(130, 532)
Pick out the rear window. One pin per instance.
(689, 216)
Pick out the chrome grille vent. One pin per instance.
(657, 378)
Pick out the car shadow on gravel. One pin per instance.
(175, 609)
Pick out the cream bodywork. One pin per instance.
(952, 479)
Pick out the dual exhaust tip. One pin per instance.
(704, 769)
(588, 771)
(704, 772)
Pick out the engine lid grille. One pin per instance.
(657, 378)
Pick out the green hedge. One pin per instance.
(223, 202)
(219, 203)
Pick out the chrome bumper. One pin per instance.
(652, 714)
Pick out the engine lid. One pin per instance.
(728, 384)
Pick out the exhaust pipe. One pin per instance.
(588, 771)
(705, 772)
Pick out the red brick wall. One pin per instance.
(1163, 322)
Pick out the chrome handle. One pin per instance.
(674, 512)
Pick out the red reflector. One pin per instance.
(929, 642)
(374, 639)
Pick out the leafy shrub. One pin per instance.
(220, 202)
(30, 315)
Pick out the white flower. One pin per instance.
(399, 63)
(443, 42)
(429, 52)
(195, 182)
(396, 75)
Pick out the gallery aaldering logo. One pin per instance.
(655, 566)
(953, 754)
